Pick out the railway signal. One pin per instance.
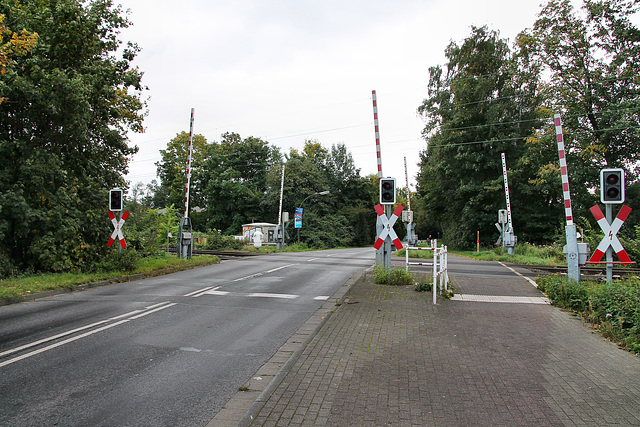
(388, 191)
(115, 199)
(612, 186)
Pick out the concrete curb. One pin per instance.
(242, 408)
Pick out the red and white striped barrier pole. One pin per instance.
(573, 265)
(563, 170)
(377, 129)
(189, 152)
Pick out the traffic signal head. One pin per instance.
(387, 191)
(115, 199)
(612, 186)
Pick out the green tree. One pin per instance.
(345, 216)
(234, 182)
(13, 44)
(593, 63)
(69, 103)
(172, 171)
(475, 111)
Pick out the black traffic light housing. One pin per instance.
(612, 186)
(387, 191)
(115, 199)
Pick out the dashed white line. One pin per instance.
(263, 273)
(269, 295)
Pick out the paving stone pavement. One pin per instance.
(388, 356)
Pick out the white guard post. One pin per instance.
(440, 270)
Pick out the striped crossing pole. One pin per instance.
(189, 152)
(375, 123)
(383, 254)
(563, 170)
(573, 266)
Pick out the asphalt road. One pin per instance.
(169, 350)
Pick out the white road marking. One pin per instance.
(268, 295)
(263, 273)
(194, 293)
(533, 282)
(500, 298)
(138, 314)
(322, 298)
(214, 292)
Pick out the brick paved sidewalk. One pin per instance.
(387, 356)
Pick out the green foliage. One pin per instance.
(69, 103)
(214, 240)
(614, 308)
(490, 100)
(234, 182)
(475, 112)
(423, 286)
(172, 171)
(393, 276)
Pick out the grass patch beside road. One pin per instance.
(16, 288)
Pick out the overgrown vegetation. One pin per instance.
(392, 276)
(401, 277)
(613, 309)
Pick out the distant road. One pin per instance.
(169, 350)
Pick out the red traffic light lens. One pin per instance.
(612, 178)
(386, 186)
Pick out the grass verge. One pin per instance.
(15, 289)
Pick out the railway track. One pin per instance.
(220, 254)
(595, 272)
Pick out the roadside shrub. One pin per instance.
(113, 261)
(423, 286)
(393, 277)
(214, 240)
(613, 308)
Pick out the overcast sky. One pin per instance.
(291, 70)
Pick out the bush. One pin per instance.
(214, 240)
(423, 286)
(394, 277)
(614, 308)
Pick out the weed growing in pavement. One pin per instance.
(423, 287)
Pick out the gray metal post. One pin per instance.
(609, 216)
(573, 265)
(118, 216)
(387, 242)
(379, 252)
